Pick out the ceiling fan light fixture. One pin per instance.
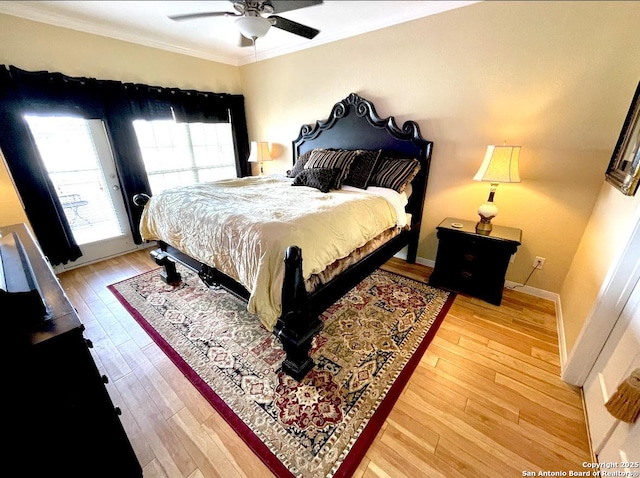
(253, 27)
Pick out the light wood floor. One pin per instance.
(485, 401)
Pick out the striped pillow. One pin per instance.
(394, 173)
(332, 159)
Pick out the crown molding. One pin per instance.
(434, 8)
(29, 12)
(37, 15)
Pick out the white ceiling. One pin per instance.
(217, 38)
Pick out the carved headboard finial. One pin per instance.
(363, 108)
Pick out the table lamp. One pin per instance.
(259, 153)
(500, 165)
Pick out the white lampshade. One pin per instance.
(259, 153)
(253, 27)
(500, 165)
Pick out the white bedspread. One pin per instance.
(242, 227)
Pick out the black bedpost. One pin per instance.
(296, 327)
(169, 275)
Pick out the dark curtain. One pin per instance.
(117, 105)
(122, 106)
(24, 92)
(240, 135)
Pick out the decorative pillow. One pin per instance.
(394, 173)
(334, 159)
(299, 164)
(319, 178)
(362, 168)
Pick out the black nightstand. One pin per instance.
(472, 263)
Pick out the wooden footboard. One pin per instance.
(299, 321)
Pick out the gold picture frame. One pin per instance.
(624, 168)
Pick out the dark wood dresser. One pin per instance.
(61, 420)
(472, 263)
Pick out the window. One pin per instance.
(78, 161)
(179, 154)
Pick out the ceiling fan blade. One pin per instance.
(294, 27)
(192, 16)
(280, 6)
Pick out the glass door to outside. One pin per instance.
(78, 158)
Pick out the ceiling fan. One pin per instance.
(254, 18)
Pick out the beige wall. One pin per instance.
(554, 77)
(604, 239)
(35, 46)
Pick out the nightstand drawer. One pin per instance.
(471, 263)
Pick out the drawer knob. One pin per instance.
(117, 410)
(105, 379)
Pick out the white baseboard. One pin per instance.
(58, 269)
(425, 262)
(543, 294)
(555, 298)
(402, 254)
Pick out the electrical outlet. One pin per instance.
(538, 262)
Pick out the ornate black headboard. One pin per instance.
(354, 124)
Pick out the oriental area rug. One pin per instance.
(372, 341)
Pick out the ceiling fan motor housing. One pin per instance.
(263, 7)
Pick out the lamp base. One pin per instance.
(484, 227)
(486, 211)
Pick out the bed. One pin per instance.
(363, 187)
